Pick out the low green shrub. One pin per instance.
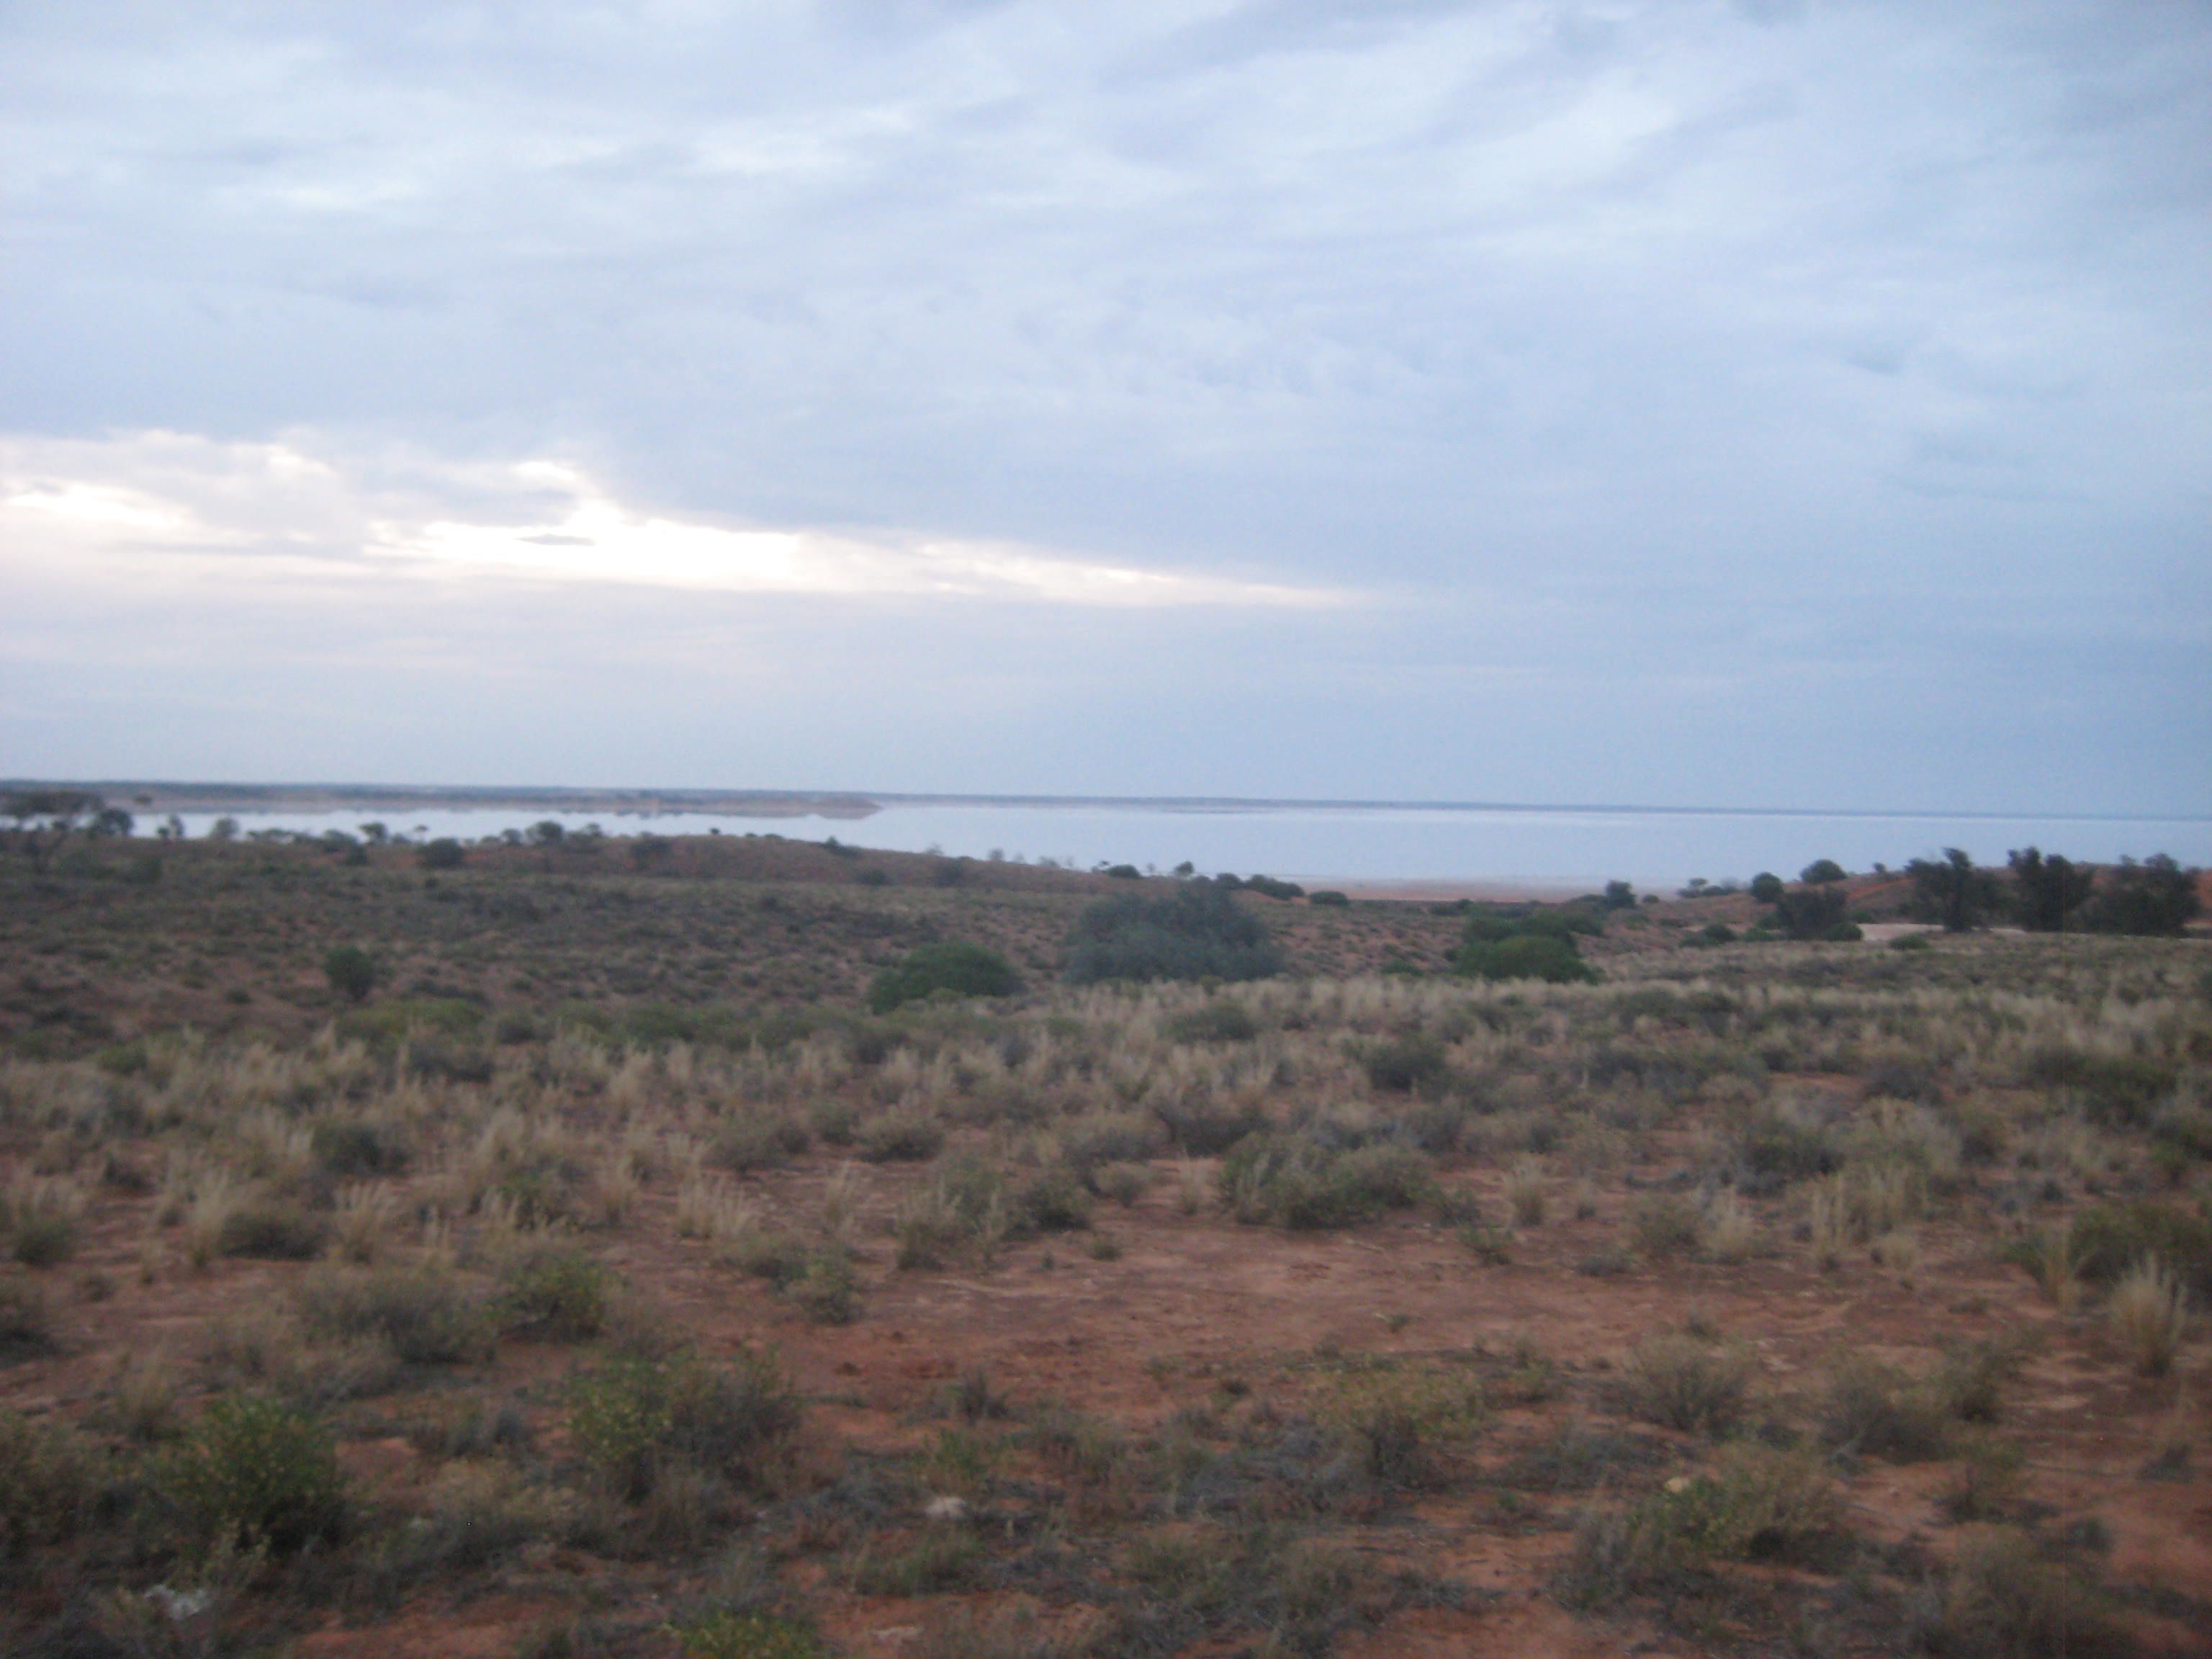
(1873, 1409)
(955, 968)
(1198, 932)
(635, 1420)
(556, 1294)
(1397, 1419)
(1681, 1382)
(2004, 1599)
(273, 1230)
(1404, 1065)
(754, 1138)
(425, 1316)
(351, 971)
(49, 1481)
(903, 1135)
(1552, 959)
(349, 1148)
(2116, 1089)
(2108, 1240)
(825, 1288)
(255, 1474)
(1665, 1225)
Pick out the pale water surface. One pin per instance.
(1539, 847)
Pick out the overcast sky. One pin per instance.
(1743, 404)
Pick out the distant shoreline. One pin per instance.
(164, 796)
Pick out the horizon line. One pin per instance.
(701, 800)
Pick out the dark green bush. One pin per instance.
(2154, 898)
(2118, 1090)
(26, 1322)
(2048, 892)
(1820, 871)
(632, 1420)
(1806, 913)
(253, 1473)
(349, 1147)
(954, 967)
(351, 971)
(2108, 1239)
(444, 853)
(49, 1480)
(1528, 955)
(1952, 891)
(1329, 897)
(1197, 931)
(1404, 1065)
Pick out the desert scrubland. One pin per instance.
(562, 1252)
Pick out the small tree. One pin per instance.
(443, 853)
(1618, 896)
(351, 971)
(1812, 912)
(2047, 890)
(1820, 871)
(1952, 891)
(2156, 898)
(1766, 887)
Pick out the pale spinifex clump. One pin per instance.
(2150, 1313)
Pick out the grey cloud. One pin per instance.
(1734, 308)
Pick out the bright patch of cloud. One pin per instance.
(172, 503)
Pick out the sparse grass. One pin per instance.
(1528, 1191)
(1758, 1503)
(1292, 1181)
